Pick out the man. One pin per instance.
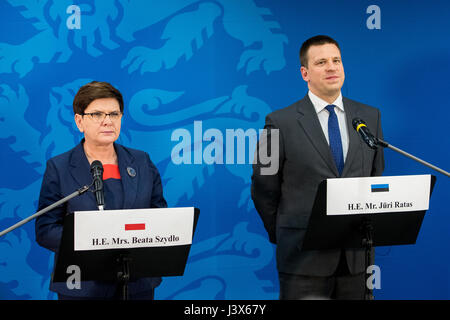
(316, 142)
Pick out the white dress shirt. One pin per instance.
(323, 114)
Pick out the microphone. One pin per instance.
(97, 175)
(360, 127)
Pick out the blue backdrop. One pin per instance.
(226, 63)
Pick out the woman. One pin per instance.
(98, 108)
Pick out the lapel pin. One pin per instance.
(131, 172)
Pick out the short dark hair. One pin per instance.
(314, 41)
(92, 91)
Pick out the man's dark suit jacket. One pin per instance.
(285, 200)
(70, 171)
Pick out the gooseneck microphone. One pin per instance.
(97, 175)
(361, 127)
(372, 142)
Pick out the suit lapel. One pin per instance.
(308, 120)
(129, 174)
(81, 171)
(353, 140)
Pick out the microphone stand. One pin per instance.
(384, 144)
(367, 227)
(367, 242)
(47, 209)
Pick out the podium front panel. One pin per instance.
(103, 265)
(338, 231)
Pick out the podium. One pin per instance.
(368, 212)
(126, 245)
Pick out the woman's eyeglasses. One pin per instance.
(100, 116)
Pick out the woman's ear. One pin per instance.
(79, 122)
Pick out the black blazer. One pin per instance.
(285, 200)
(70, 171)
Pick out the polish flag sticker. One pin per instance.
(134, 226)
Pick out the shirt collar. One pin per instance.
(320, 104)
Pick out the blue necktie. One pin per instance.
(334, 136)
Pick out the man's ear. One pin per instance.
(304, 73)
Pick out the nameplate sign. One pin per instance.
(369, 195)
(133, 228)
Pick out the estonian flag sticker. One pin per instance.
(380, 187)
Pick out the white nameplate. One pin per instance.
(133, 228)
(378, 194)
